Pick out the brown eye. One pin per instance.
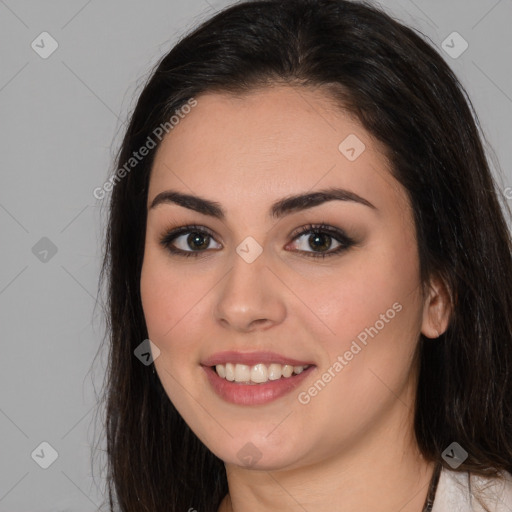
(320, 240)
(197, 241)
(187, 241)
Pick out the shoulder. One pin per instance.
(465, 492)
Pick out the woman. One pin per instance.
(304, 224)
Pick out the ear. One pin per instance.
(437, 309)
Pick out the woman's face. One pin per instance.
(252, 284)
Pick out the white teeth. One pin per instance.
(221, 370)
(242, 373)
(230, 371)
(274, 371)
(259, 373)
(287, 370)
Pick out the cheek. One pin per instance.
(157, 302)
(172, 305)
(171, 302)
(374, 313)
(373, 298)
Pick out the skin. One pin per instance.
(353, 443)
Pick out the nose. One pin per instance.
(250, 296)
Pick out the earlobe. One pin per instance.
(437, 309)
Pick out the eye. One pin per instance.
(179, 241)
(197, 238)
(320, 239)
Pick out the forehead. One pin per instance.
(278, 140)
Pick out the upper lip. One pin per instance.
(251, 358)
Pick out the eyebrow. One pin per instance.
(279, 209)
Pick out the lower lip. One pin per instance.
(254, 394)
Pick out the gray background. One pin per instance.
(62, 119)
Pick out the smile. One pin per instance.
(247, 392)
(257, 374)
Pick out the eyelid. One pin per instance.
(322, 227)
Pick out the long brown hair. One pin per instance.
(403, 93)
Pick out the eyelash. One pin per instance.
(323, 229)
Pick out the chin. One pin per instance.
(259, 453)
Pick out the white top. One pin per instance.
(454, 494)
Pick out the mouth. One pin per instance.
(258, 384)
